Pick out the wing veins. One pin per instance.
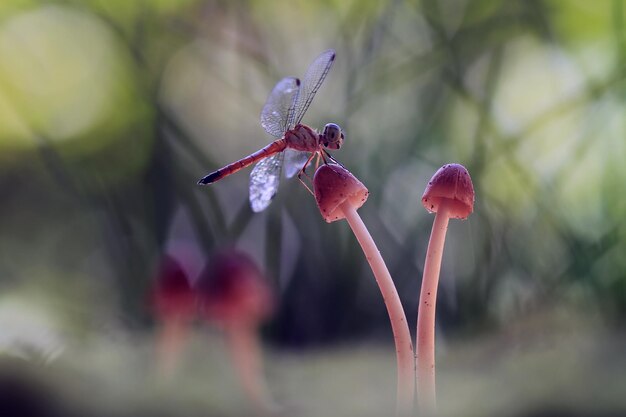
(312, 93)
(289, 124)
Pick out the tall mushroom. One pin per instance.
(449, 194)
(339, 194)
(234, 294)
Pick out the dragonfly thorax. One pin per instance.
(302, 138)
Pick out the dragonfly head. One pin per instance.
(332, 137)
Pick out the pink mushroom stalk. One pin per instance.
(339, 194)
(236, 296)
(174, 305)
(449, 194)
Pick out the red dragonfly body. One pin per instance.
(301, 138)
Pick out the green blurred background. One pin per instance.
(110, 110)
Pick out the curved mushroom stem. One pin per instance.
(244, 346)
(425, 357)
(399, 326)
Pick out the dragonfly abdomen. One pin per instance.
(274, 147)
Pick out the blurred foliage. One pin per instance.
(110, 110)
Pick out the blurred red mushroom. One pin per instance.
(234, 294)
(174, 304)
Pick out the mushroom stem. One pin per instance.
(399, 326)
(244, 346)
(172, 336)
(425, 343)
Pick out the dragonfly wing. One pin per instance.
(279, 106)
(264, 180)
(294, 161)
(311, 82)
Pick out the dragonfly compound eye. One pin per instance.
(332, 136)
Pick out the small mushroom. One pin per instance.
(334, 186)
(174, 305)
(449, 194)
(339, 194)
(234, 294)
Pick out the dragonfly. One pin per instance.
(296, 144)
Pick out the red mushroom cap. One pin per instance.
(233, 289)
(452, 184)
(333, 184)
(172, 294)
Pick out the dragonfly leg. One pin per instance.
(333, 159)
(322, 154)
(303, 171)
(317, 161)
(305, 186)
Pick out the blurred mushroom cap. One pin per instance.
(333, 184)
(451, 183)
(232, 289)
(172, 294)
